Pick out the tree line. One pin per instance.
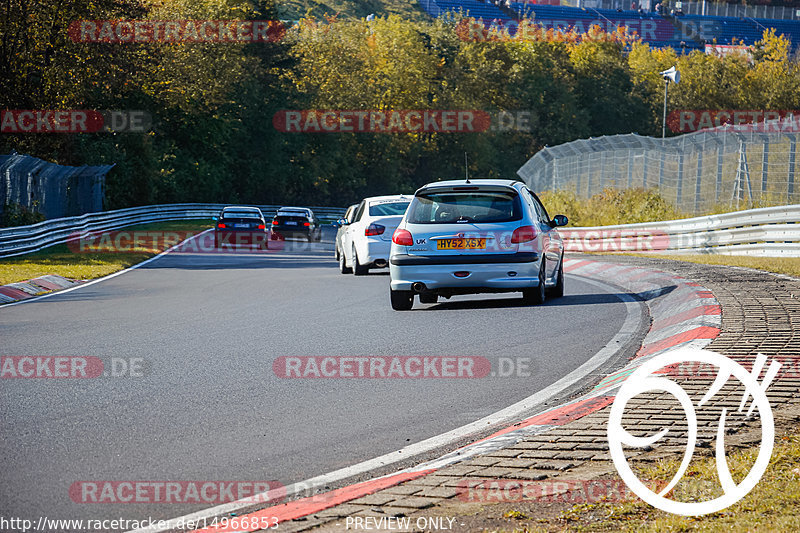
(214, 135)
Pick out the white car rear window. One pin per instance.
(453, 207)
(388, 209)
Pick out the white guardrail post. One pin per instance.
(25, 239)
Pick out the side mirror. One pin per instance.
(559, 220)
(342, 222)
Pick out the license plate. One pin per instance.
(241, 225)
(461, 244)
(291, 223)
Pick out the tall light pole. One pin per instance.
(671, 75)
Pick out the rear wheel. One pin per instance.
(557, 291)
(402, 300)
(536, 295)
(358, 268)
(343, 268)
(428, 297)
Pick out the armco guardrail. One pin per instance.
(768, 231)
(25, 239)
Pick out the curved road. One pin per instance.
(209, 326)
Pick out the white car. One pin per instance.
(341, 224)
(367, 239)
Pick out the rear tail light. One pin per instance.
(306, 224)
(262, 226)
(402, 237)
(221, 225)
(375, 229)
(523, 234)
(274, 222)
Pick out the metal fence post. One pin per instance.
(764, 168)
(679, 191)
(603, 163)
(720, 155)
(790, 177)
(630, 168)
(644, 169)
(698, 181)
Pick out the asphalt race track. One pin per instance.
(209, 407)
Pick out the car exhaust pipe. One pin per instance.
(380, 263)
(418, 286)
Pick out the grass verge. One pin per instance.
(60, 260)
(773, 505)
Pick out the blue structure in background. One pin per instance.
(682, 32)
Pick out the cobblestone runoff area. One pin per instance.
(760, 313)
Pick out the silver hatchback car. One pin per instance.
(467, 237)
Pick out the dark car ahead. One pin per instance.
(241, 226)
(296, 222)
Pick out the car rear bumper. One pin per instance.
(240, 237)
(290, 231)
(439, 275)
(465, 259)
(377, 253)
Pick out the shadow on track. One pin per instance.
(570, 299)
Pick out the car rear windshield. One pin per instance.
(241, 214)
(452, 207)
(388, 209)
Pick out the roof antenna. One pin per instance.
(466, 168)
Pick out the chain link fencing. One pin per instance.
(52, 190)
(732, 166)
